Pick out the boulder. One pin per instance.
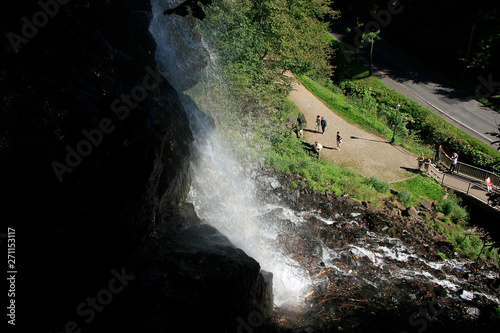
(411, 211)
(446, 244)
(383, 197)
(426, 204)
(194, 270)
(399, 205)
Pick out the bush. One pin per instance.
(379, 185)
(452, 209)
(405, 197)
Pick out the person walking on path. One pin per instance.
(318, 124)
(323, 124)
(339, 141)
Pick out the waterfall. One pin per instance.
(223, 189)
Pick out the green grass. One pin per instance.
(421, 187)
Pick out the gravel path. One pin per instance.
(361, 151)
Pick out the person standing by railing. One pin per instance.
(420, 161)
(438, 155)
(454, 162)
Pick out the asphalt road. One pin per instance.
(404, 75)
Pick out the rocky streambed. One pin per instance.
(375, 267)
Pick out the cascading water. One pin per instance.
(222, 190)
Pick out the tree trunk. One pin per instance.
(371, 58)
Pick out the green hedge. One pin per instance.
(425, 123)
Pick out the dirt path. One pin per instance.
(361, 151)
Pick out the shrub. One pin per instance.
(405, 197)
(452, 209)
(379, 185)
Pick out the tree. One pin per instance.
(359, 37)
(370, 37)
(292, 34)
(284, 34)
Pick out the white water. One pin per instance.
(222, 190)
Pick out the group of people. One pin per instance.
(320, 128)
(453, 159)
(424, 162)
(320, 123)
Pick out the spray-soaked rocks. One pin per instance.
(379, 267)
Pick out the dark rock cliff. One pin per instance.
(94, 151)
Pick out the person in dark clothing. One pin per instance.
(323, 124)
(301, 119)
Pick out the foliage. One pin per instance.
(257, 41)
(458, 39)
(495, 315)
(379, 185)
(405, 197)
(451, 208)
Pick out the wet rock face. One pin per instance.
(82, 124)
(91, 139)
(192, 279)
(95, 149)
